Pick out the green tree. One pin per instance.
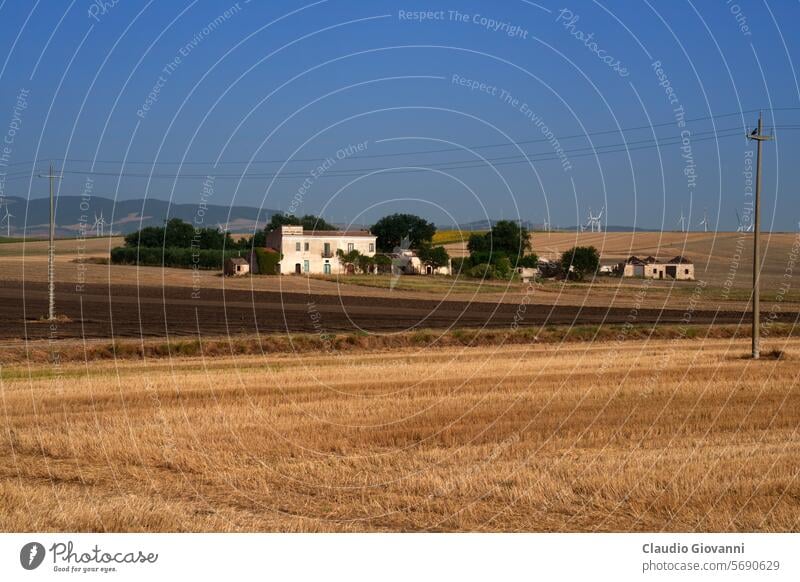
(178, 234)
(308, 222)
(478, 243)
(147, 237)
(259, 239)
(506, 239)
(583, 260)
(391, 230)
(365, 263)
(349, 258)
(530, 261)
(509, 237)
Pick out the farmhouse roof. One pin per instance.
(680, 260)
(337, 233)
(237, 260)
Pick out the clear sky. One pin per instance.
(473, 109)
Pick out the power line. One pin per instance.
(449, 165)
(415, 152)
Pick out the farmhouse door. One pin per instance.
(297, 268)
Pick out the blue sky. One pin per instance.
(576, 86)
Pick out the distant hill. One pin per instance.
(486, 224)
(128, 215)
(616, 228)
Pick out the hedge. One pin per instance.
(267, 261)
(171, 257)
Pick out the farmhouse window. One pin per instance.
(297, 247)
(372, 247)
(350, 247)
(306, 247)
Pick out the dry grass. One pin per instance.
(665, 435)
(16, 352)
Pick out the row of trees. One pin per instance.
(493, 254)
(179, 234)
(391, 232)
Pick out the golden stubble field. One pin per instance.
(678, 435)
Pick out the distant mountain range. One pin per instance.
(487, 224)
(128, 215)
(73, 213)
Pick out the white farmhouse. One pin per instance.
(314, 252)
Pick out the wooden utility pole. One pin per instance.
(759, 137)
(51, 250)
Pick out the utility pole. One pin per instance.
(51, 250)
(758, 137)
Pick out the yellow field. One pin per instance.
(672, 435)
(449, 237)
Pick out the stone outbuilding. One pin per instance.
(678, 268)
(236, 267)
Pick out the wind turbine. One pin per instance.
(589, 223)
(99, 224)
(682, 221)
(598, 220)
(742, 227)
(7, 219)
(593, 222)
(704, 222)
(739, 227)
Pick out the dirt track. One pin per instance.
(125, 311)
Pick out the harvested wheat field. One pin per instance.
(681, 435)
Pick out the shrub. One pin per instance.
(267, 261)
(171, 257)
(583, 260)
(482, 271)
(460, 264)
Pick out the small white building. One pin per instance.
(678, 268)
(314, 252)
(527, 274)
(406, 262)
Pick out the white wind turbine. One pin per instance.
(704, 222)
(589, 222)
(598, 220)
(7, 219)
(593, 223)
(99, 224)
(741, 227)
(682, 221)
